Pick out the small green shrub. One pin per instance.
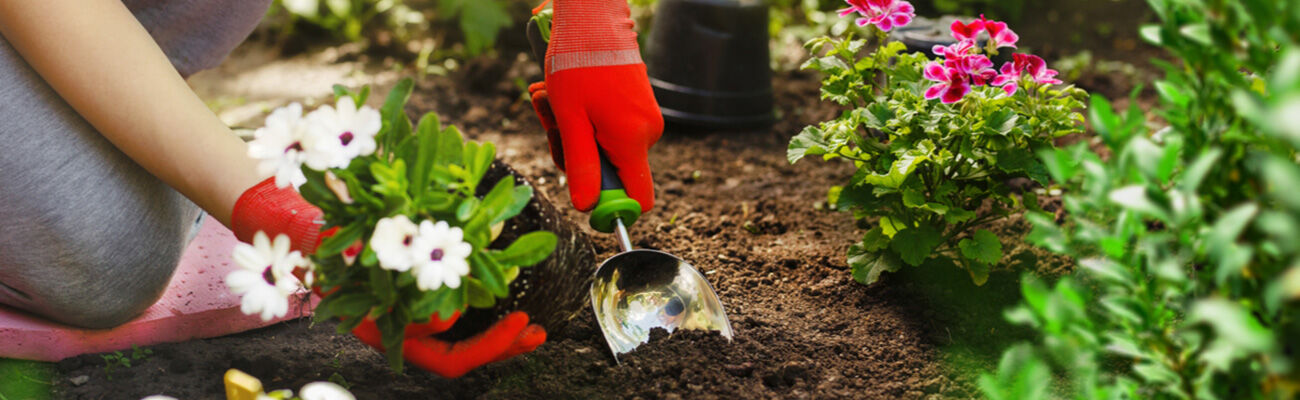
(1188, 237)
(480, 21)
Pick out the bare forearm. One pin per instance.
(106, 66)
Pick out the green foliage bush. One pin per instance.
(933, 173)
(1188, 237)
(480, 21)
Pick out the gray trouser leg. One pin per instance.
(87, 237)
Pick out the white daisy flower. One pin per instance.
(392, 242)
(265, 278)
(281, 146)
(325, 391)
(341, 133)
(440, 256)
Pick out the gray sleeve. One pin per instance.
(198, 34)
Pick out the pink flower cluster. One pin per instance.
(884, 14)
(963, 65)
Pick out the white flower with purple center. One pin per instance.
(392, 243)
(282, 145)
(342, 133)
(265, 279)
(440, 254)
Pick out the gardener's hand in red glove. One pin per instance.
(509, 337)
(597, 96)
(264, 207)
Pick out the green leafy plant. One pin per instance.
(348, 19)
(479, 21)
(408, 236)
(116, 359)
(933, 172)
(1188, 237)
(422, 172)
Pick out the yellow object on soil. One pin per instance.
(242, 386)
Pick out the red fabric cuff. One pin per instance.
(265, 207)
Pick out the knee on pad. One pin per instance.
(100, 293)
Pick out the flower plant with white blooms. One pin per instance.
(406, 197)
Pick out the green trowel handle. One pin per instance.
(613, 203)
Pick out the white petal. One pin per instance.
(249, 258)
(325, 391)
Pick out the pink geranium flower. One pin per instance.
(954, 51)
(963, 32)
(856, 6)
(977, 66)
(953, 84)
(1038, 70)
(1009, 79)
(884, 14)
(1011, 72)
(1002, 35)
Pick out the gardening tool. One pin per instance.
(638, 290)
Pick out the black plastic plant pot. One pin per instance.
(709, 63)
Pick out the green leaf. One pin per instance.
(1001, 121)
(487, 270)
(898, 172)
(467, 209)
(341, 240)
(915, 245)
(877, 115)
(480, 21)
(393, 330)
(527, 250)
(478, 158)
(347, 305)
(1195, 173)
(983, 246)
(479, 297)
(875, 240)
(450, 147)
(393, 114)
(809, 142)
(519, 199)
(381, 286)
(1198, 32)
(913, 198)
(867, 265)
(957, 215)
(498, 199)
(427, 135)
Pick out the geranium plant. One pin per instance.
(935, 141)
(408, 235)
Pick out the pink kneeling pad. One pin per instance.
(196, 305)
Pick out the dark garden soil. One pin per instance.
(727, 202)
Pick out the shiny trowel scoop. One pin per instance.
(639, 290)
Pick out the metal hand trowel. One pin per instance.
(639, 290)
(636, 291)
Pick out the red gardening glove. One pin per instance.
(598, 96)
(509, 337)
(275, 210)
